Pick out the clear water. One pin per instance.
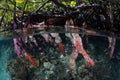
(6, 52)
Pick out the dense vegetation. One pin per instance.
(104, 13)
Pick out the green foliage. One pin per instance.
(71, 3)
(19, 1)
(1, 11)
(21, 6)
(31, 6)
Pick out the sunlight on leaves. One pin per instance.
(63, 2)
(72, 3)
(19, 1)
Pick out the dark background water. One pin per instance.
(113, 65)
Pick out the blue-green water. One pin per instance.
(104, 68)
(6, 52)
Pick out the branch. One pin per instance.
(110, 13)
(41, 5)
(82, 6)
(86, 6)
(112, 40)
(24, 8)
(13, 3)
(19, 11)
(2, 16)
(14, 10)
